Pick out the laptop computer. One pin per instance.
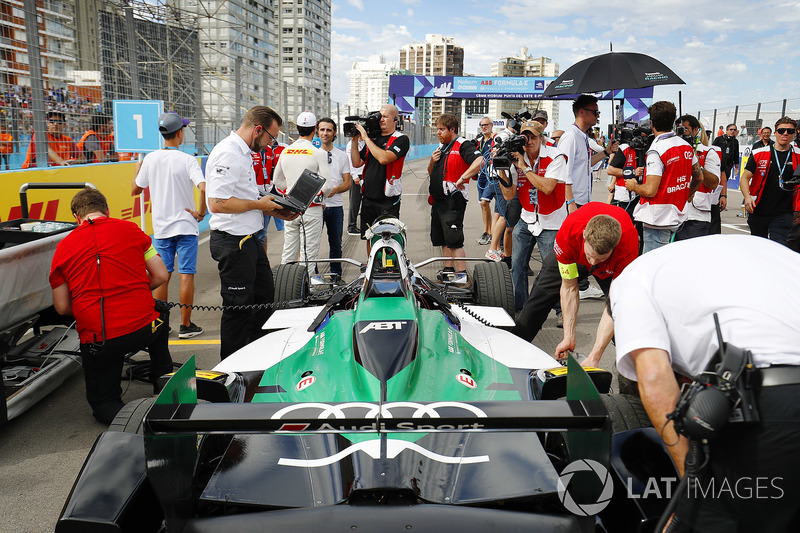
(302, 193)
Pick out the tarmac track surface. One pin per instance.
(42, 451)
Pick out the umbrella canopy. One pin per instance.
(614, 70)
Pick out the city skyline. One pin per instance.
(737, 57)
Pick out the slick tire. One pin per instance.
(291, 283)
(493, 286)
(130, 418)
(626, 412)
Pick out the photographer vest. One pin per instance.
(551, 208)
(699, 208)
(763, 158)
(621, 194)
(667, 208)
(394, 170)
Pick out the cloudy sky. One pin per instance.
(729, 53)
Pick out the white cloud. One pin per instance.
(410, 13)
(358, 4)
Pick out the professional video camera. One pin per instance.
(371, 123)
(680, 131)
(504, 148)
(637, 137)
(516, 120)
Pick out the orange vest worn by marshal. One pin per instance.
(64, 146)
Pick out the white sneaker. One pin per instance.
(592, 293)
(494, 255)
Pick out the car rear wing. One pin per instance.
(173, 424)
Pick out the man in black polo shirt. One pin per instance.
(382, 159)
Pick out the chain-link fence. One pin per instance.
(750, 118)
(63, 63)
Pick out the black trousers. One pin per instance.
(245, 278)
(793, 238)
(752, 482)
(545, 293)
(355, 206)
(716, 221)
(691, 229)
(102, 365)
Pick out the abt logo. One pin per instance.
(382, 326)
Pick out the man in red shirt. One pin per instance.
(102, 274)
(597, 239)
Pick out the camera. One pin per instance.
(639, 139)
(371, 123)
(502, 158)
(516, 120)
(680, 131)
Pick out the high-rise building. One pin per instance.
(237, 46)
(369, 84)
(525, 66)
(305, 55)
(56, 40)
(437, 56)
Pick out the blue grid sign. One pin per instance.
(136, 125)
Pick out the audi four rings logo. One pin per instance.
(327, 410)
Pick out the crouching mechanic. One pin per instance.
(102, 274)
(752, 481)
(451, 166)
(598, 239)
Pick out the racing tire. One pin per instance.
(291, 283)
(493, 286)
(626, 412)
(130, 418)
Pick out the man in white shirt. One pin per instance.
(237, 214)
(333, 215)
(172, 176)
(581, 156)
(663, 308)
(303, 234)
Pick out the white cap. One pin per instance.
(306, 119)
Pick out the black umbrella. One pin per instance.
(614, 70)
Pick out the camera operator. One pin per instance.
(450, 168)
(541, 193)
(501, 227)
(382, 159)
(657, 334)
(699, 207)
(671, 175)
(625, 159)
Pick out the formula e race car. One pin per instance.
(392, 406)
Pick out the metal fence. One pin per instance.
(750, 118)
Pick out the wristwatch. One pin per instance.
(529, 169)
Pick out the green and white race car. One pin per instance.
(397, 404)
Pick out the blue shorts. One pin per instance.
(186, 248)
(500, 203)
(485, 192)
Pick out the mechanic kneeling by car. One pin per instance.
(599, 240)
(102, 274)
(663, 306)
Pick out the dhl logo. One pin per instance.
(300, 151)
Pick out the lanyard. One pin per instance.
(778, 162)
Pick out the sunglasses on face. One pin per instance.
(784, 131)
(50, 121)
(594, 111)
